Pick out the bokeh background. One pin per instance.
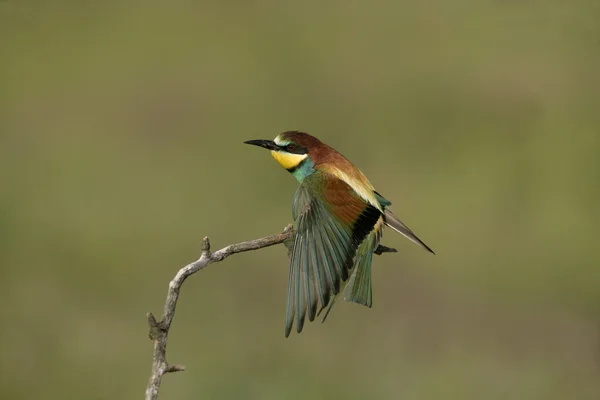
(121, 130)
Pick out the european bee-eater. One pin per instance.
(338, 222)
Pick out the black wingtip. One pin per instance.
(299, 324)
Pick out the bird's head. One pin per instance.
(293, 151)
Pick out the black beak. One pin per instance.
(267, 144)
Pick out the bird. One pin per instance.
(338, 223)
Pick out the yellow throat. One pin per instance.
(288, 160)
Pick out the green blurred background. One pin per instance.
(121, 130)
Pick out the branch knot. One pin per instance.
(205, 248)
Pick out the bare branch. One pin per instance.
(159, 330)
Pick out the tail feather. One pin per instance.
(393, 222)
(359, 287)
(358, 290)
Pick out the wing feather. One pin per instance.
(331, 222)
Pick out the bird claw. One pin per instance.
(384, 249)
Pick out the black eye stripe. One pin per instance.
(294, 148)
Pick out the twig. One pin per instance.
(159, 330)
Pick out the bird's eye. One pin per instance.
(291, 147)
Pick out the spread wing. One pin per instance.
(331, 223)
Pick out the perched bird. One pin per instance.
(338, 221)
